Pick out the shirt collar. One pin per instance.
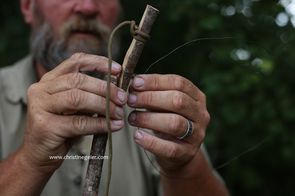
(22, 76)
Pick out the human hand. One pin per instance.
(170, 101)
(61, 107)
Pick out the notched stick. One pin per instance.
(136, 47)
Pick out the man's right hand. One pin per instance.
(61, 107)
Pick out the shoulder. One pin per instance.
(13, 82)
(15, 78)
(8, 78)
(12, 70)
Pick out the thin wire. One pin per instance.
(243, 153)
(183, 45)
(108, 119)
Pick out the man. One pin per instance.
(61, 102)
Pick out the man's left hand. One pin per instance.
(170, 101)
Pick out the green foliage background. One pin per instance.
(248, 80)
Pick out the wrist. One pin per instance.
(20, 177)
(29, 162)
(194, 178)
(194, 169)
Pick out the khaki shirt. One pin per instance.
(133, 174)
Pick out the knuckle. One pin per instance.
(45, 76)
(103, 105)
(76, 80)
(75, 59)
(113, 109)
(80, 123)
(176, 124)
(32, 90)
(102, 87)
(179, 83)
(102, 58)
(75, 98)
(39, 122)
(150, 145)
(156, 82)
(202, 96)
(147, 99)
(192, 152)
(172, 152)
(77, 56)
(202, 135)
(207, 117)
(101, 124)
(178, 101)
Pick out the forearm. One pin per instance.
(18, 177)
(196, 179)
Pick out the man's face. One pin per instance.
(61, 28)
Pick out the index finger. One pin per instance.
(157, 82)
(82, 62)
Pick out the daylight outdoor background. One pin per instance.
(248, 79)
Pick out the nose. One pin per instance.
(86, 7)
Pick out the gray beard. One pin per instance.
(50, 52)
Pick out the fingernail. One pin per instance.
(138, 135)
(119, 112)
(132, 99)
(122, 96)
(116, 66)
(116, 124)
(132, 117)
(138, 82)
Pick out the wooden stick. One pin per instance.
(94, 169)
(136, 47)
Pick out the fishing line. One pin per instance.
(182, 46)
(248, 150)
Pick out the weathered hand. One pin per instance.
(61, 107)
(169, 101)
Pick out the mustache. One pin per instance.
(50, 49)
(85, 25)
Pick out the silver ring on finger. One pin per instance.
(189, 131)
